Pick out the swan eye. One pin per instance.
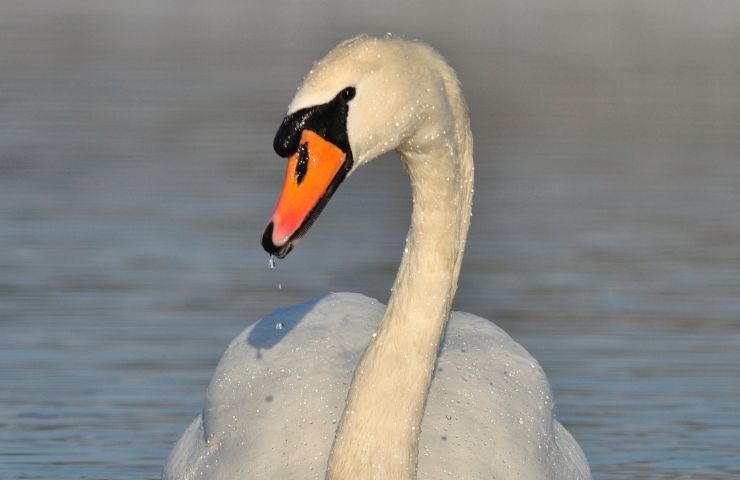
(348, 94)
(301, 166)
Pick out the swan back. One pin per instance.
(276, 397)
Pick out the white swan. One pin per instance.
(340, 386)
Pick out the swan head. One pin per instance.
(366, 97)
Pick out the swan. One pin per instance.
(342, 387)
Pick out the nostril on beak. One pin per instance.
(301, 166)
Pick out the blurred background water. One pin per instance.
(136, 174)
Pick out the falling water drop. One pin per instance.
(280, 286)
(271, 262)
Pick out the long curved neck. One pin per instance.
(378, 435)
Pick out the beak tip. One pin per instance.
(267, 242)
(280, 251)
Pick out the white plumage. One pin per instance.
(276, 397)
(343, 386)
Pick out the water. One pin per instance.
(136, 175)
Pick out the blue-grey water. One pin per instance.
(136, 174)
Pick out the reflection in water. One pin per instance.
(136, 174)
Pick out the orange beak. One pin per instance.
(314, 171)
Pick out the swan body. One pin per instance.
(277, 395)
(343, 386)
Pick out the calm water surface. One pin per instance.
(136, 174)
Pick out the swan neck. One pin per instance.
(379, 432)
